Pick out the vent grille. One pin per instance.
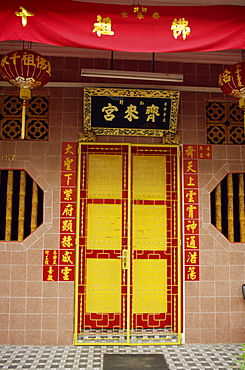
(227, 207)
(37, 117)
(225, 123)
(21, 205)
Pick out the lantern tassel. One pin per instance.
(23, 126)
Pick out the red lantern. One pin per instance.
(232, 82)
(25, 69)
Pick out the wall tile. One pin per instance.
(4, 321)
(208, 335)
(208, 320)
(207, 304)
(4, 337)
(222, 288)
(237, 335)
(49, 338)
(192, 304)
(223, 336)
(216, 301)
(49, 322)
(222, 304)
(33, 337)
(17, 337)
(17, 321)
(223, 320)
(193, 336)
(34, 289)
(65, 305)
(207, 288)
(33, 321)
(18, 288)
(17, 305)
(50, 305)
(33, 305)
(192, 320)
(65, 338)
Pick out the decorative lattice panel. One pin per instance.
(227, 207)
(225, 123)
(37, 115)
(21, 205)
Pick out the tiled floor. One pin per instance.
(186, 357)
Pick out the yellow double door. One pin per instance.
(128, 278)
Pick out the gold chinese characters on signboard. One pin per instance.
(132, 112)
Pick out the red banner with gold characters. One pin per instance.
(191, 155)
(58, 265)
(128, 28)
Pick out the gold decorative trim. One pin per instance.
(169, 138)
(86, 136)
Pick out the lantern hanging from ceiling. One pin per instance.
(26, 70)
(232, 83)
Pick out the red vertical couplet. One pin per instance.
(191, 155)
(58, 265)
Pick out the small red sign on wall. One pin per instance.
(191, 155)
(58, 265)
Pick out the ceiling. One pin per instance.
(216, 57)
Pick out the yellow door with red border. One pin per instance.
(128, 277)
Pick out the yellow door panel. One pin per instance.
(104, 176)
(149, 177)
(104, 226)
(128, 277)
(149, 286)
(149, 227)
(103, 286)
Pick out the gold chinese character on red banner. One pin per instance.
(24, 14)
(68, 210)
(140, 12)
(68, 194)
(68, 149)
(50, 257)
(66, 257)
(68, 177)
(67, 225)
(67, 163)
(204, 152)
(192, 273)
(190, 151)
(191, 258)
(67, 242)
(103, 26)
(191, 226)
(191, 242)
(55, 256)
(180, 27)
(191, 196)
(65, 273)
(190, 210)
(190, 167)
(190, 181)
(50, 273)
(46, 257)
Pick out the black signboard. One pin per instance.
(130, 111)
